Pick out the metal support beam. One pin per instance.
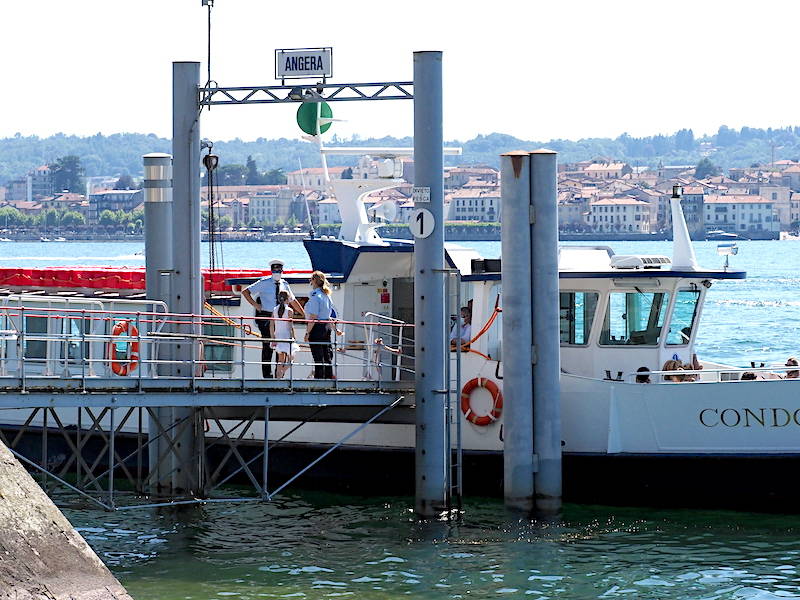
(429, 306)
(518, 459)
(546, 337)
(330, 92)
(186, 291)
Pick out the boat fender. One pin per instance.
(497, 399)
(124, 367)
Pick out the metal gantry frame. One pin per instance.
(319, 92)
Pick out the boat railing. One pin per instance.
(384, 335)
(715, 375)
(133, 349)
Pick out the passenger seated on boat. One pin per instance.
(645, 375)
(792, 362)
(748, 376)
(465, 335)
(692, 366)
(673, 365)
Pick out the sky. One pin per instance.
(535, 70)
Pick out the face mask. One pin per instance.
(276, 276)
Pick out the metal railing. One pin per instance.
(717, 375)
(82, 346)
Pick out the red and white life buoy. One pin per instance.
(129, 364)
(497, 401)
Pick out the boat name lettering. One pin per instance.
(749, 417)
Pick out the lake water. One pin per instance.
(313, 546)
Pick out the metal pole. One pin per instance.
(518, 458)
(158, 260)
(429, 307)
(186, 291)
(546, 336)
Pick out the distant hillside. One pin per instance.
(121, 153)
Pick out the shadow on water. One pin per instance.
(315, 545)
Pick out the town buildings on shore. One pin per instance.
(598, 197)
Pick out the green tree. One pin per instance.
(72, 218)
(125, 182)
(10, 217)
(254, 177)
(684, 140)
(347, 173)
(108, 218)
(225, 222)
(68, 174)
(291, 222)
(705, 168)
(49, 218)
(275, 177)
(232, 175)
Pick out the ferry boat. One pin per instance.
(704, 436)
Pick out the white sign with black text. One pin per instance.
(299, 63)
(422, 223)
(421, 194)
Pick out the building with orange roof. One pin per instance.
(611, 215)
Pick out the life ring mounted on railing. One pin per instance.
(497, 401)
(127, 364)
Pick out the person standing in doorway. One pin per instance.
(263, 295)
(319, 310)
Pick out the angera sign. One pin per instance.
(299, 63)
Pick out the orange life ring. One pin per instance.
(128, 366)
(497, 398)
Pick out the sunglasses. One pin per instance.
(276, 268)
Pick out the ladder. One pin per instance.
(454, 457)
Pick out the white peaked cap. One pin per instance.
(275, 261)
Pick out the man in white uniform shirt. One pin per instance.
(263, 296)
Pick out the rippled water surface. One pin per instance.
(320, 546)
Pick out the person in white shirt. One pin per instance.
(464, 334)
(263, 296)
(282, 331)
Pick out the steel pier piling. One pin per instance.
(429, 305)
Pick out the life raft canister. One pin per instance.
(128, 364)
(497, 399)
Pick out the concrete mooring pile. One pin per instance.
(42, 557)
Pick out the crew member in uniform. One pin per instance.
(263, 294)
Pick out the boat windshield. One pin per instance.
(634, 318)
(576, 314)
(683, 317)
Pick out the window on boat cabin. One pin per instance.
(683, 317)
(35, 326)
(71, 347)
(576, 315)
(634, 318)
(218, 356)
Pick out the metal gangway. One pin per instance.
(85, 383)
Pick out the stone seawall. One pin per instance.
(42, 557)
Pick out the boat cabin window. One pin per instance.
(218, 354)
(35, 326)
(634, 318)
(683, 317)
(576, 314)
(72, 335)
